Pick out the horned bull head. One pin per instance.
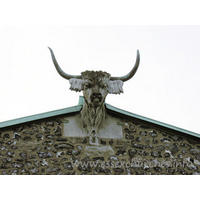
(96, 83)
(95, 86)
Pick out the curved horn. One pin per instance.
(131, 73)
(60, 71)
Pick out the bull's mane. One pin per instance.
(95, 76)
(93, 117)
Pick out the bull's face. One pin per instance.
(95, 87)
(95, 94)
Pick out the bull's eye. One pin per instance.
(87, 85)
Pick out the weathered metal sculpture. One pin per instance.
(95, 86)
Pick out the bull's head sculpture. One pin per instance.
(95, 86)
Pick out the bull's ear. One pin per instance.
(76, 84)
(115, 87)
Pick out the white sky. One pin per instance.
(165, 88)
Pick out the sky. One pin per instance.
(165, 88)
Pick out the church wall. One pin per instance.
(40, 148)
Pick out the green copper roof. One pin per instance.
(78, 108)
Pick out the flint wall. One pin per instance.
(39, 148)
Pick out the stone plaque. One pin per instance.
(73, 127)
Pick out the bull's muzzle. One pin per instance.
(96, 99)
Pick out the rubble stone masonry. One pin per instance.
(39, 147)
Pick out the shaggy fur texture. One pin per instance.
(93, 118)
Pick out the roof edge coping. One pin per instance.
(129, 114)
(43, 115)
